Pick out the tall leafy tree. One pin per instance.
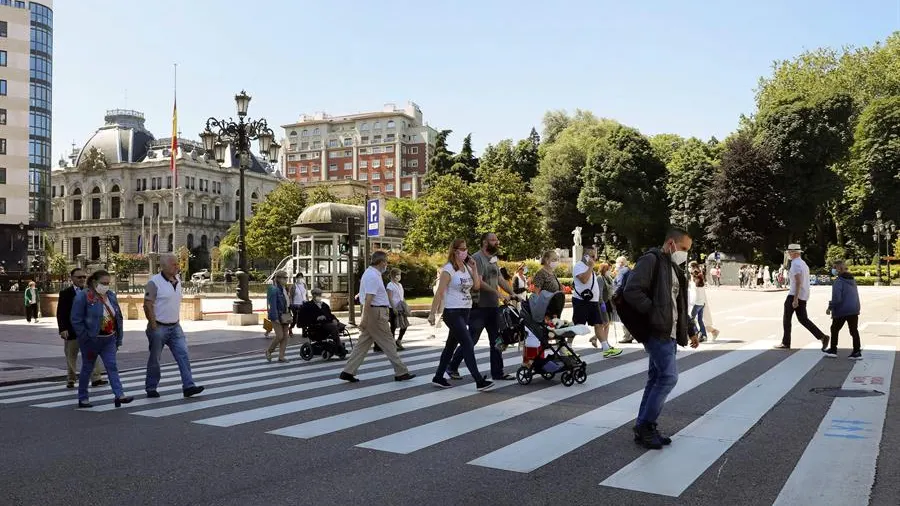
(319, 194)
(269, 230)
(624, 186)
(406, 210)
(449, 211)
(527, 155)
(503, 208)
(554, 123)
(500, 156)
(691, 172)
(665, 146)
(442, 159)
(741, 211)
(876, 163)
(465, 163)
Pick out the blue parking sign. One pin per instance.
(374, 223)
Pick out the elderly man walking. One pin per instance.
(797, 299)
(67, 332)
(162, 305)
(374, 326)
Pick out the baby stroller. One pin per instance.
(319, 342)
(512, 328)
(552, 353)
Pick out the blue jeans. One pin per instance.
(173, 337)
(697, 315)
(661, 378)
(457, 324)
(105, 348)
(481, 318)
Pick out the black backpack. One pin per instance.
(636, 323)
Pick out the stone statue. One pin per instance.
(577, 249)
(577, 236)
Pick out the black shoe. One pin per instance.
(441, 383)
(376, 349)
(152, 394)
(454, 375)
(192, 391)
(646, 436)
(856, 355)
(122, 400)
(483, 385)
(404, 377)
(85, 404)
(348, 377)
(98, 383)
(70, 385)
(400, 346)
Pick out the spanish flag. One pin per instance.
(174, 142)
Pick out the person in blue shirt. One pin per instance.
(622, 271)
(844, 307)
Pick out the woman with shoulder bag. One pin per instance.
(279, 314)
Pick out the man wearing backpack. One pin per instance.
(656, 289)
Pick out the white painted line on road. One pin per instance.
(699, 445)
(265, 394)
(545, 447)
(279, 369)
(838, 465)
(429, 434)
(359, 417)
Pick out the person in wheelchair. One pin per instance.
(316, 315)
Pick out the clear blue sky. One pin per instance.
(489, 67)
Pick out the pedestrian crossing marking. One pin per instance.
(699, 445)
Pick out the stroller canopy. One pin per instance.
(544, 303)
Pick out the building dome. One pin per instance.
(123, 139)
(332, 217)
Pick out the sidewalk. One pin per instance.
(34, 352)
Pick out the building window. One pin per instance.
(332, 167)
(376, 164)
(190, 209)
(304, 146)
(389, 162)
(140, 210)
(3, 178)
(377, 150)
(76, 210)
(203, 211)
(389, 187)
(376, 175)
(377, 124)
(376, 189)
(348, 142)
(315, 168)
(155, 209)
(291, 171)
(348, 177)
(391, 124)
(389, 149)
(115, 207)
(414, 150)
(217, 212)
(390, 138)
(20, 4)
(2, 146)
(304, 169)
(413, 163)
(4, 29)
(364, 139)
(332, 143)
(2, 205)
(315, 131)
(389, 174)
(169, 209)
(2, 116)
(363, 164)
(2, 58)
(363, 176)
(3, 87)
(406, 187)
(348, 165)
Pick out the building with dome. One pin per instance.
(115, 193)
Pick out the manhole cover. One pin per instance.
(20, 368)
(840, 392)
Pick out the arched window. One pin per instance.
(391, 124)
(96, 189)
(304, 133)
(77, 191)
(293, 133)
(316, 131)
(115, 189)
(204, 242)
(254, 196)
(190, 241)
(171, 244)
(155, 243)
(237, 193)
(217, 241)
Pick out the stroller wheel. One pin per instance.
(306, 352)
(326, 355)
(548, 375)
(580, 375)
(523, 375)
(568, 379)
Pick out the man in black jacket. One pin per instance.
(657, 288)
(317, 312)
(67, 333)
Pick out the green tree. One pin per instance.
(876, 163)
(319, 194)
(554, 123)
(441, 162)
(356, 199)
(58, 266)
(449, 209)
(665, 146)
(528, 157)
(691, 171)
(406, 210)
(503, 208)
(624, 186)
(269, 230)
(741, 211)
(465, 162)
(500, 156)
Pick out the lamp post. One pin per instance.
(880, 229)
(217, 136)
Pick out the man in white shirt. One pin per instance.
(374, 326)
(796, 300)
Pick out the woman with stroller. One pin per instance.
(277, 299)
(459, 277)
(97, 321)
(398, 310)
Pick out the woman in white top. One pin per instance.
(698, 304)
(298, 297)
(459, 278)
(395, 294)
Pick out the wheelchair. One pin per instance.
(318, 342)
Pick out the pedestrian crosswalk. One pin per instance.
(301, 401)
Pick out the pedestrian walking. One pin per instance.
(374, 325)
(798, 295)
(844, 307)
(162, 306)
(657, 288)
(399, 311)
(588, 306)
(277, 298)
(545, 278)
(622, 271)
(298, 298)
(32, 302)
(520, 284)
(67, 295)
(97, 323)
(459, 277)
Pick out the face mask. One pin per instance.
(317, 300)
(102, 289)
(461, 255)
(834, 272)
(397, 279)
(554, 265)
(679, 257)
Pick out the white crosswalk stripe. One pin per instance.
(306, 400)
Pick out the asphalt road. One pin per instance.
(751, 426)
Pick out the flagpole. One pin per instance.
(174, 166)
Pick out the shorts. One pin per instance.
(587, 313)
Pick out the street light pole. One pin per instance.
(880, 228)
(217, 136)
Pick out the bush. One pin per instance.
(834, 253)
(419, 272)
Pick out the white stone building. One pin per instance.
(123, 201)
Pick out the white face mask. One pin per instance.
(554, 265)
(102, 289)
(679, 257)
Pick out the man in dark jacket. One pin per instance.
(657, 288)
(317, 312)
(844, 307)
(67, 333)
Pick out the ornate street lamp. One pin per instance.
(880, 229)
(217, 136)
